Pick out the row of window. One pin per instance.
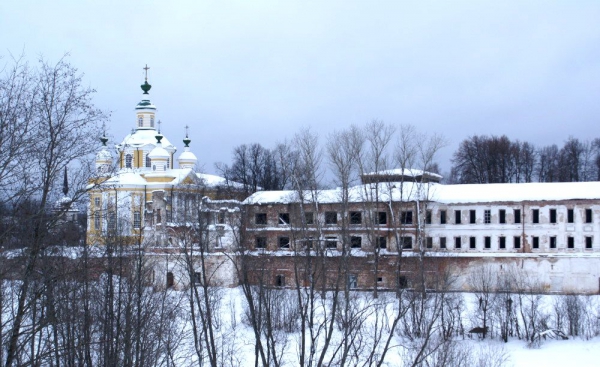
(407, 242)
(406, 217)
(129, 161)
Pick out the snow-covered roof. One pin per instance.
(447, 194)
(143, 137)
(214, 181)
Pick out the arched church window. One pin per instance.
(148, 162)
(128, 159)
(140, 121)
(151, 121)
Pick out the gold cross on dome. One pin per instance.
(159, 126)
(146, 69)
(186, 130)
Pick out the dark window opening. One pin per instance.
(330, 217)
(472, 217)
(382, 217)
(309, 218)
(552, 215)
(457, 242)
(407, 217)
(588, 215)
(552, 242)
(128, 160)
(355, 242)
(570, 216)
(535, 242)
(502, 242)
(502, 216)
(429, 242)
(284, 242)
(406, 242)
(280, 280)
(535, 216)
(588, 242)
(457, 217)
(260, 218)
(355, 217)
(170, 279)
(428, 217)
(472, 242)
(517, 242)
(402, 282)
(487, 242)
(284, 218)
(517, 216)
(571, 242)
(442, 217)
(197, 278)
(261, 242)
(379, 279)
(382, 241)
(221, 217)
(442, 242)
(487, 216)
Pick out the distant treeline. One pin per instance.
(497, 159)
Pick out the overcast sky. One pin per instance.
(252, 71)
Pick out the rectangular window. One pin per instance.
(487, 242)
(487, 216)
(553, 242)
(552, 215)
(457, 218)
(442, 242)
(588, 215)
(260, 218)
(280, 280)
(502, 216)
(97, 221)
(457, 242)
(330, 218)
(535, 241)
(309, 218)
(158, 216)
(221, 217)
(310, 243)
(382, 217)
(517, 216)
(402, 282)
(428, 217)
(429, 242)
(112, 221)
(407, 242)
(331, 242)
(137, 219)
(588, 242)
(535, 215)
(570, 216)
(442, 217)
(284, 219)
(570, 242)
(472, 242)
(517, 242)
(97, 203)
(284, 242)
(197, 277)
(382, 242)
(502, 242)
(406, 217)
(352, 281)
(356, 242)
(355, 218)
(472, 217)
(261, 242)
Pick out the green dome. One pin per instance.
(146, 87)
